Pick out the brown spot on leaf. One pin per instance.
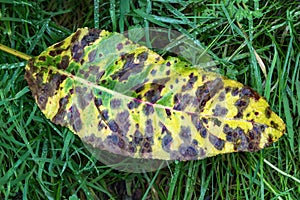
(185, 133)
(119, 46)
(59, 44)
(75, 36)
(64, 63)
(166, 142)
(113, 126)
(182, 101)
(52, 53)
(221, 96)
(77, 52)
(129, 68)
(104, 114)
(268, 112)
(101, 125)
(274, 124)
(217, 122)
(84, 97)
(168, 112)
(146, 145)
(115, 103)
(148, 109)
(142, 57)
(59, 118)
(137, 137)
(42, 58)
(188, 152)
(220, 111)
(90, 37)
(241, 105)
(92, 55)
(247, 91)
(207, 91)
(74, 118)
(153, 94)
(217, 142)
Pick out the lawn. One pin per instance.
(254, 42)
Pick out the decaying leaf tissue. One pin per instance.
(124, 98)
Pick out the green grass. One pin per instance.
(39, 160)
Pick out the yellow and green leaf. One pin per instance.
(122, 97)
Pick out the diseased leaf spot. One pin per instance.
(138, 137)
(101, 126)
(42, 58)
(115, 103)
(274, 124)
(99, 76)
(268, 112)
(128, 69)
(149, 128)
(92, 55)
(82, 62)
(98, 102)
(166, 142)
(188, 151)
(148, 109)
(113, 126)
(64, 63)
(122, 117)
(217, 142)
(146, 145)
(168, 112)
(105, 115)
(203, 132)
(227, 89)
(75, 36)
(181, 102)
(217, 122)
(59, 44)
(138, 88)
(132, 148)
(221, 96)
(56, 52)
(153, 72)
(42, 100)
(59, 118)
(207, 91)
(185, 133)
(247, 91)
(220, 111)
(235, 91)
(195, 142)
(154, 94)
(133, 104)
(83, 97)
(241, 105)
(74, 117)
(270, 139)
(92, 36)
(113, 139)
(77, 52)
(142, 57)
(119, 46)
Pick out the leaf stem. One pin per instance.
(14, 52)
